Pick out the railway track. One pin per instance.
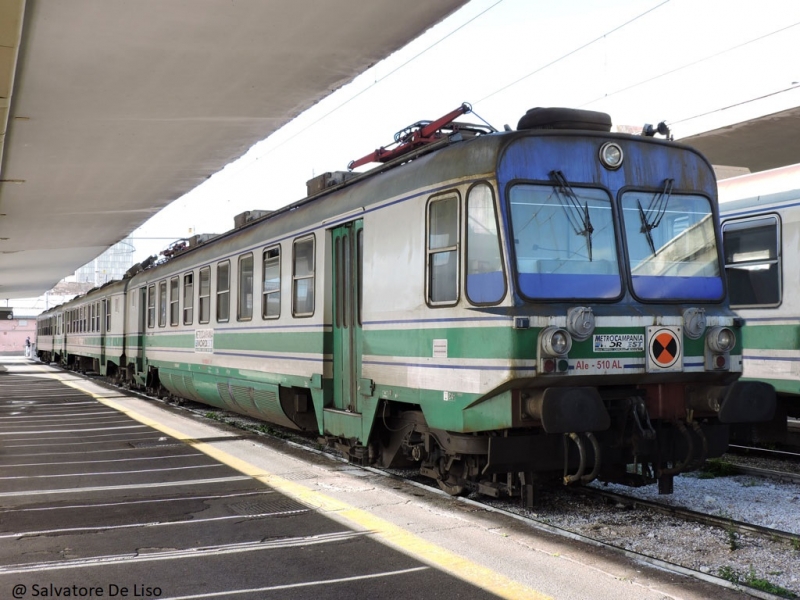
(691, 515)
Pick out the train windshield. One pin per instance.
(564, 241)
(671, 245)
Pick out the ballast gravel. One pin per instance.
(750, 559)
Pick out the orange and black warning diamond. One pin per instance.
(664, 348)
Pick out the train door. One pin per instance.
(103, 333)
(141, 316)
(347, 333)
(62, 336)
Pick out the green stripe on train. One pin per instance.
(771, 337)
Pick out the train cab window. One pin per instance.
(442, 251)
(245, 297)
(188, 298)
(223, 291)
(162, 303)
(107, 307)
(564, 241)
(672, 245)
(271, 295)
(151, 306)
(205, 295)
(753, 261)
(174, 303)
(485, 278)
(303, 278)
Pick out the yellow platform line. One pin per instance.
(399, 538)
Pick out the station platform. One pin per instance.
(104, 494)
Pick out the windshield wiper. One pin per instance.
(658, 208)
(577, 215)
(646, 228)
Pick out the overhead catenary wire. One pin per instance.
(691, 64)
(241, 166)
(425, 50)
(794, 86)
(370, 86)
(568, 54)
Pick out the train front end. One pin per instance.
(614, 254)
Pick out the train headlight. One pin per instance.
(555, 341)
(721, 339)
(611, 155)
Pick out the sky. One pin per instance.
(697, 64)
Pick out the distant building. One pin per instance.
(13, 333)
(111, 264)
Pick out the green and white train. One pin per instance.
(761, 231)
(494, 308)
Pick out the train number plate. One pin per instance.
(619, 342)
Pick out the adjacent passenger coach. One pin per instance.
(494, 308)
(760, 228)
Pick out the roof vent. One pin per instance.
(322, 182)
(248, 216)
(565, 118)
(199, 239)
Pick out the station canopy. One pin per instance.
(112, 109)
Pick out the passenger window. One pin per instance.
(151, 306)
(271, 295)
(303, 278)
(205, 295)
(162, 303)
(442, 251)
(223, 291)
(245, 311)
(753, 261)
(174, 301)
(188, 298)
(485, 278)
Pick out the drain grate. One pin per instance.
(271, 507)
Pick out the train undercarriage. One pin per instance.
(632, 435)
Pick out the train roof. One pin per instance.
(765, 188)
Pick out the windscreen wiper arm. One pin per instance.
(658, 205)
(646, 228)
(574, 211)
